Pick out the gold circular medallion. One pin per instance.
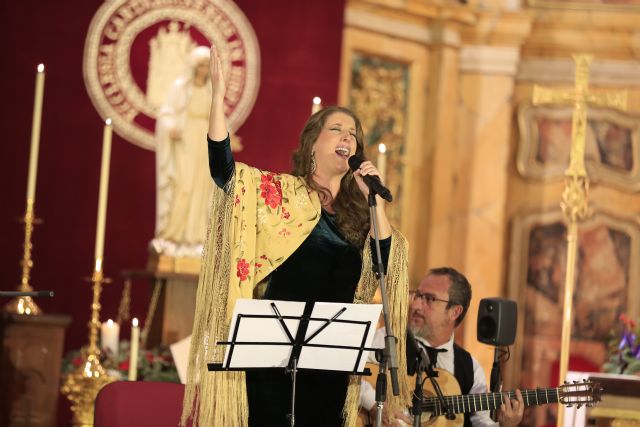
(135, 50)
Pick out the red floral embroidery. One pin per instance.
(263, 257)
(237, 200)
(284, 232)
(271, 191)
(285, 213)
(258, 265)
(242, 270)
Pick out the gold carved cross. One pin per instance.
(580, 97)
(575, 205)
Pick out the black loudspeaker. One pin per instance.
(497, 321)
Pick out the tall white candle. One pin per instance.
(109, 336)
(133, 356)
(35, 134)
(382, 160)
(104, 190)
(316, 105)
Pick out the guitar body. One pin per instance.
(447, 382)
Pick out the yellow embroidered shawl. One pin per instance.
(254, 225)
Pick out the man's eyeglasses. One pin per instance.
(428, 298)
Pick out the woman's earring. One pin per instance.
(314, 165)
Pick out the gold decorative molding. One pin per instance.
(502, 60)
(560, 70)
(605, 5)
(499, 28)
(378, 95)
(418, 10)
(559, 33)
(415, 58)
(425, 23)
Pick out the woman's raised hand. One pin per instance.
(217, 120)
(218, 87)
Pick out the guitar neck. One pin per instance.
(461, 404)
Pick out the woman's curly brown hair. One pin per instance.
(352, 209)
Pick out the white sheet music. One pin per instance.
(262, 330)
(338, 333)
(270, 330)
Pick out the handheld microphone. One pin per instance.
(373, 182)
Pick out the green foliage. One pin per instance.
(624, 348)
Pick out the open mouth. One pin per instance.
(343, 152)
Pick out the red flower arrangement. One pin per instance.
(154, 364)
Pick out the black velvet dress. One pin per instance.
(326, 268)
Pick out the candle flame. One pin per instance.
(317, 100)
(135, 321)
(110, 323)
(108, 122)
(382, 148)
(40, 68)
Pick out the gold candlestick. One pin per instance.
(82, 385)
(26, 305)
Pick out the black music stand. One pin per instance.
(294, 336)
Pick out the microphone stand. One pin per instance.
(496, 380)
(381, 385)
(416, 401)
(390, 355)
(424, 365)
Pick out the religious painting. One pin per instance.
(612, 151)
(608, 246)
(378, 95)
(587, 4)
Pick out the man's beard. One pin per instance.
(422, 331)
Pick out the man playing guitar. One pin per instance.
(437, 307)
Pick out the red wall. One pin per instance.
(300, 54)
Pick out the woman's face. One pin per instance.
(335, 144)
